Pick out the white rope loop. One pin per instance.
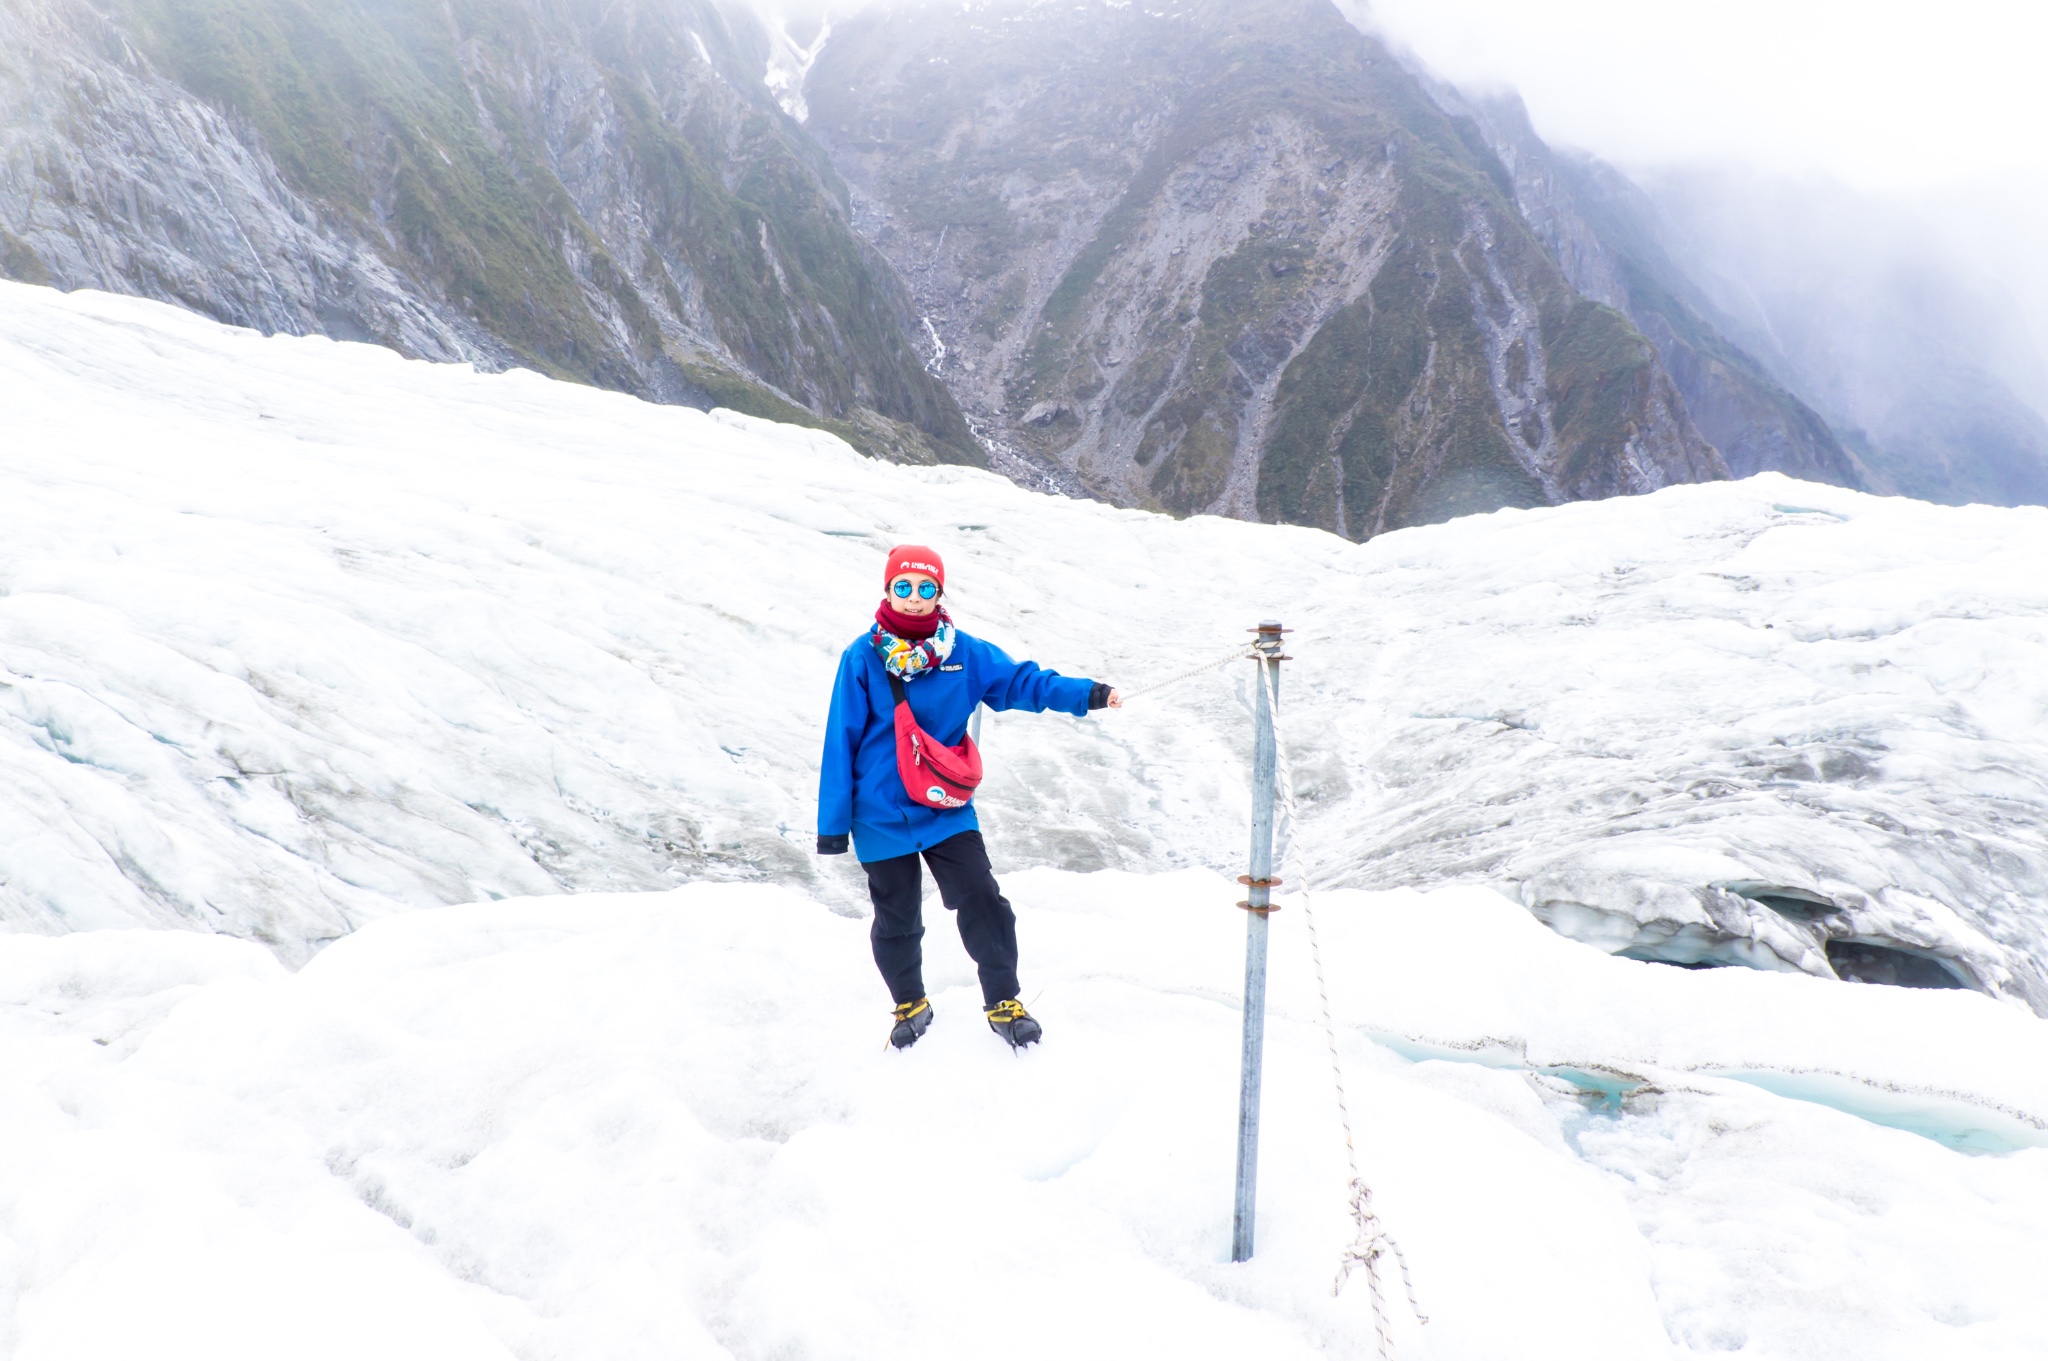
(1374, 1240)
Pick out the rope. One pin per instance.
(1225, 660)
(1373, 1240)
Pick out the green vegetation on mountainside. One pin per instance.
(1388, 417)
(1197, 427)
(425, 126)
(366, 111)
(1370, 435)
(1153, 224)
(1751, 417)
(1599, 367)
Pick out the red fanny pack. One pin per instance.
(934, 774)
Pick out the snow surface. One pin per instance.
(296, 633)
(301, 642)
(667, 1126)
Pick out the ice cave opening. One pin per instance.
(1862, 961)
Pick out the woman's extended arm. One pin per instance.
(1009, 684)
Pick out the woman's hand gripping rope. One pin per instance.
(1373, 1240)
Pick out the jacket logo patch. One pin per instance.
(954, 667)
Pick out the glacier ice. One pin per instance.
(468, 722)
(297, 633)
(639, 1125)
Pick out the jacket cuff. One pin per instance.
(1098, 696)
(832, 845)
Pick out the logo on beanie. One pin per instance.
(908, 566)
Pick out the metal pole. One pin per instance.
(1260, 881)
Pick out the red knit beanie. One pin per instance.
(914, 557)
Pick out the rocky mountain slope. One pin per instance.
(1233, 259)
(607, 194)
(1603, 233)
(1229, 258)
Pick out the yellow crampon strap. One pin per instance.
(1012, 1010)
(910, 1009)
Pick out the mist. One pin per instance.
(1866, 180)
(1850, 292)
(1854, 194)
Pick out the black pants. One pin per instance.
(988, 928)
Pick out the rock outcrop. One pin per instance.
(600, 193)
(1233, 259)
(1230, 257)
(1602, 231)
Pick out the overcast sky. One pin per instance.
(1882, 95)
(1939, 109)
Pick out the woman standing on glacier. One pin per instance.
(898, 777)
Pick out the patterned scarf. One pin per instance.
(910, 658)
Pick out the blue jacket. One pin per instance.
(859, 790)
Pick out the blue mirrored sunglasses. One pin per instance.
(925, 590)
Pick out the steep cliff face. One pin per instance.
(1233, 259)
(1601, 230)
(605, 193)
(114, 177)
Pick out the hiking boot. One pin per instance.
(1014, 1024)
(912, 1020)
